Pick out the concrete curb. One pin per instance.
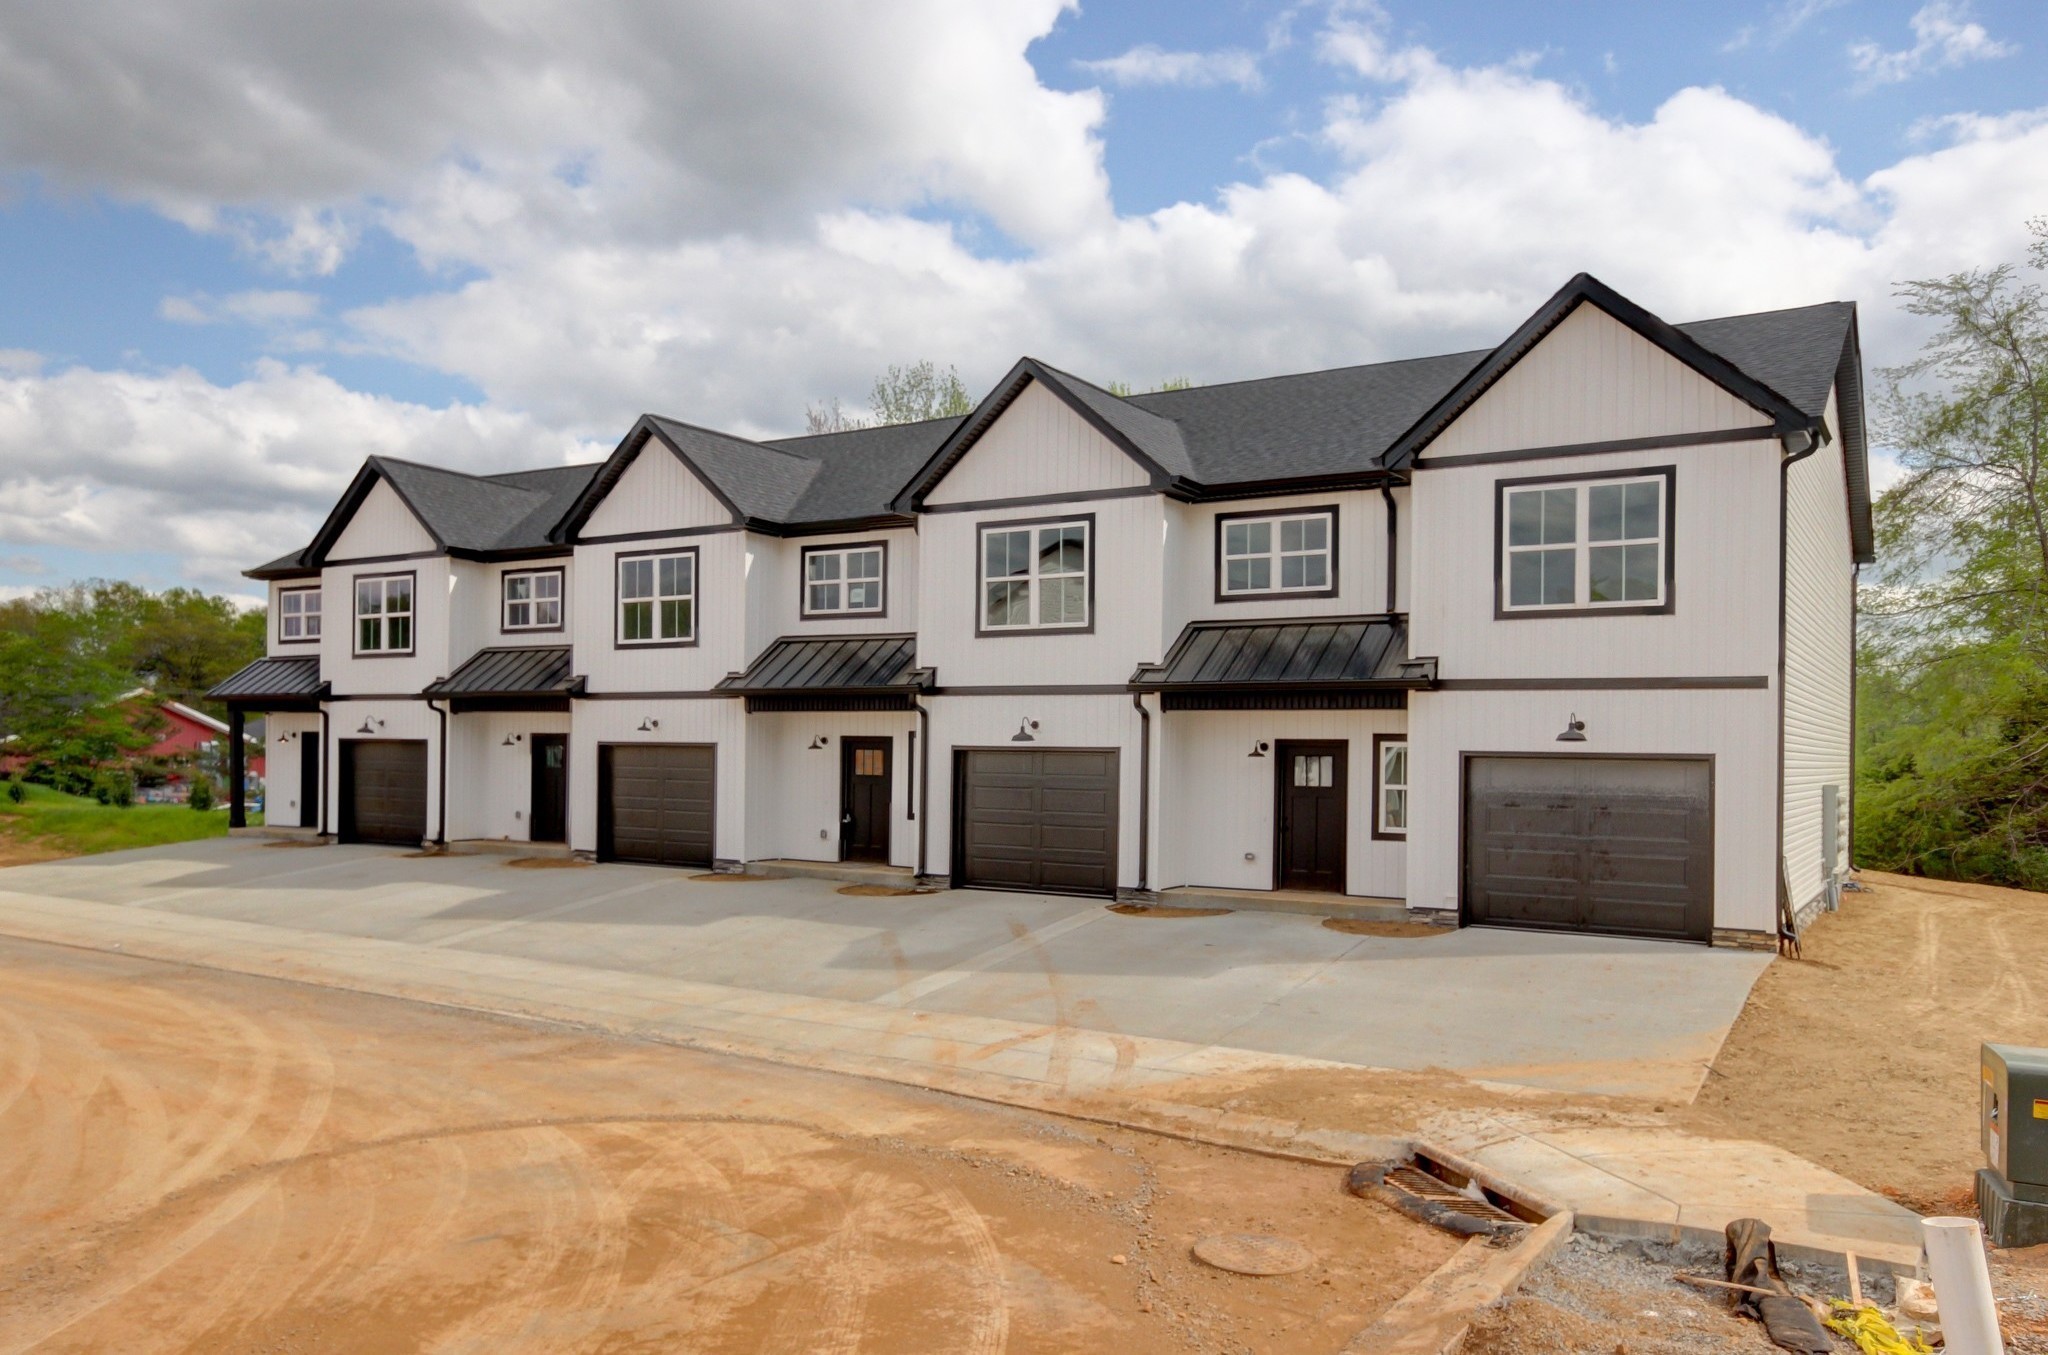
(1434, 1317)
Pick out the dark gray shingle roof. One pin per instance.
(542, 669)
(1351, 652)
(831, 663)
(281, 678)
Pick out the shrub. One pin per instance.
(16, 791)
(202, 793)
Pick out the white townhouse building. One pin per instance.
(1556, 635)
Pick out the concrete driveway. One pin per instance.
(1011, 984)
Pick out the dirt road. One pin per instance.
(1863, 1055)
(198, 1161)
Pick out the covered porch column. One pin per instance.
(238, 816)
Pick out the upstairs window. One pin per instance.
(533, 600)
(298, 615)
(844, 580)
(1035, 576)
(1588, 543)
(1390, 786)
(384, 614)
(1261, 555)
(658, 598)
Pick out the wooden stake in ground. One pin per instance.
(1855, 1280)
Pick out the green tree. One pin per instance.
(909, 394)
(1953, 700)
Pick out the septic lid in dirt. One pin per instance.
(1254, 1254)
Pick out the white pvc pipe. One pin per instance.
(1962, 1286)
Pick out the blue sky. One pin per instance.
(236, 257)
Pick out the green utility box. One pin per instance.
(2012, 1189)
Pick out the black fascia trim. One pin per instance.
(980, 584)
(1708, 683)
(1582, 289)
(351, 500)
(1501, 612)
(511, 554)
(386, 559)
(1758, 433)
(1284, 685)
(1336, 516)
(874, 522)
(300, 571)
(1193, 491)
(661, 534)
(1040, 689)
(699, 695)
(911, 498)
(803, 580)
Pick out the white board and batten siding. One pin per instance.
(795, 788)
(1820, 585)
(656, 493)
(281, 807)
(776, 579)
(381, 525)
(1361, 565)
(1217, 813)
(1038, 445)
(491, 793)
(386, 674)
(1591, 379)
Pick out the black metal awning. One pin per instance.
(278, 683)
(511, 679)
(832, 672)
(1321, 663)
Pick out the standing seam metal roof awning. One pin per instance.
(282, 679)
(542, 671)
(1346, 652)
(832, 663)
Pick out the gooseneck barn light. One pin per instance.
(1574, 730)
(1024, 728)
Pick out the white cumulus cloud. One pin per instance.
(1944, 37)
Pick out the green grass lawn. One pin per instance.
(51, 823)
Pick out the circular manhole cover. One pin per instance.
(1254, 1254)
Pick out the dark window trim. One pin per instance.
(303, 639)
(1379, 742)
(559, 572)
(981, 563)
(803, 580)
(696, 600)
(355, 634)
(1275, 514)
(1501, 612)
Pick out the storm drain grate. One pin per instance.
(1453, 1205)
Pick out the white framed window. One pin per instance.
(1036, 576)
(384, 613)
(1258, 555)
(533, 600)
(1586, 543)
(845, 580)
(298, 615)
(1390, 786)
(658, 598)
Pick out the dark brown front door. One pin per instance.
(864, 800)
(309, 782)
(1313, 815)
(550, 812)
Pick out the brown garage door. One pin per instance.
(384, 790)
(1595, 844)
(1039, 819)
(654, 802)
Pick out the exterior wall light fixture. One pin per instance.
(1024, 728)
(648, 722)
(512, 739)
(367, 723)
(1574, 730)
(818, 741)
(1259, 747)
